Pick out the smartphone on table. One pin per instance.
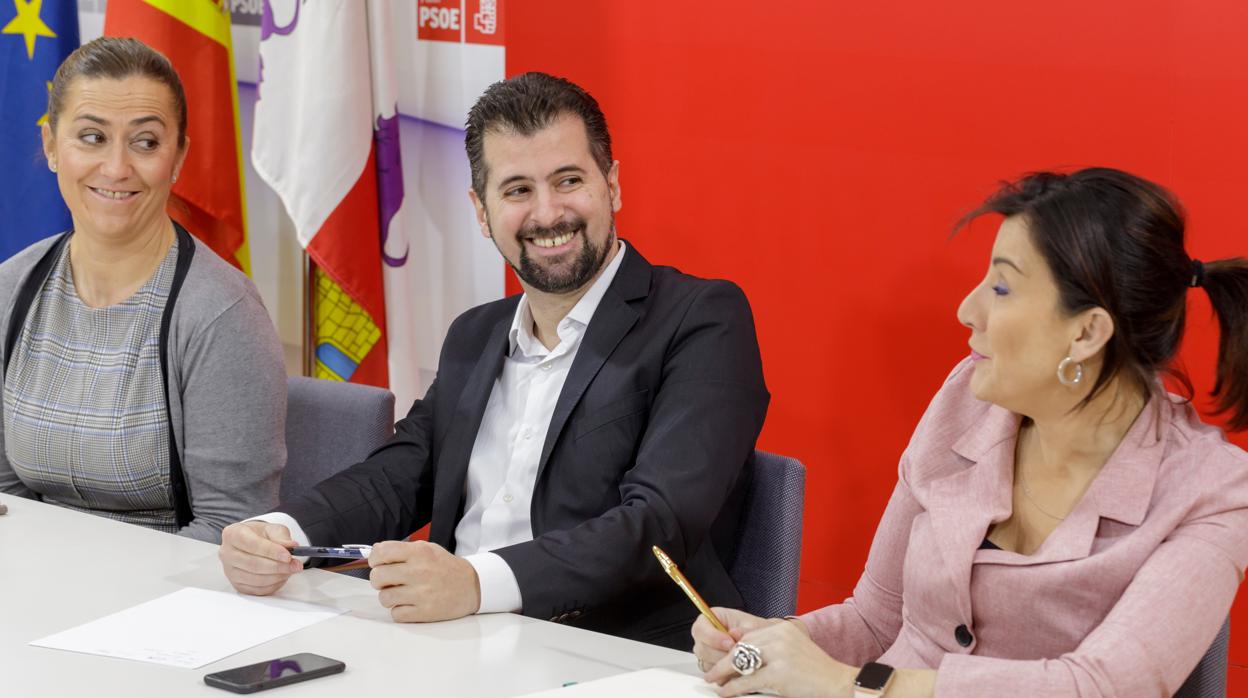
(274, 673)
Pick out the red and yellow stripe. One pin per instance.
(209, 196)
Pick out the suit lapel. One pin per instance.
(612, 320)
(963, 505)
(1121, 491)
(457, 449)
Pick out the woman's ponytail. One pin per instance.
(1226, 282)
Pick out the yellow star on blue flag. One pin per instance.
(28, 24)
(35, 36)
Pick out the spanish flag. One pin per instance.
(195, 36)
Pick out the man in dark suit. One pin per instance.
(610, 408)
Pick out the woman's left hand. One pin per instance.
(793, 666)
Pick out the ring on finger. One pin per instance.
(746, 658)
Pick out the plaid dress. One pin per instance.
(85, 421)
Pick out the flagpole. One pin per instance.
(309, 317)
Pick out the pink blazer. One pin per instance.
(1122, 599)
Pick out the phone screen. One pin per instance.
(275, 672)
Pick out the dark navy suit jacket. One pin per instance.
(647, 446)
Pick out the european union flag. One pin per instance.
(36, 36)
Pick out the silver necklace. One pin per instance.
(1027, 493)
(1022, 481)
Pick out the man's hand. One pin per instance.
(421, 582)
(255, 556)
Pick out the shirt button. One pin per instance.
(528, 433)
(546, 366)
(963, 635)
(507, 498)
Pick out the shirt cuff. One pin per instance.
(296, 531)
(500, 593)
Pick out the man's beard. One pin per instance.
(562, 278)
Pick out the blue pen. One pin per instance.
(351, 552)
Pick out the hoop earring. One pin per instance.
(1061, 373)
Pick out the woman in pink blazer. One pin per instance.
(1061, 525)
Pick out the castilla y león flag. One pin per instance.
(332, 159)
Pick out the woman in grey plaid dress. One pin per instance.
(142, 379)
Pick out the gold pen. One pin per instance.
(674, 572)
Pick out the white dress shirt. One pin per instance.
(502, 470)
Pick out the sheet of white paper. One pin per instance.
(647, 682)
(189, 628)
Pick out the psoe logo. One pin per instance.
(440, 20)
(447, 20)
(486, 21)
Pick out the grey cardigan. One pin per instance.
(226, 387)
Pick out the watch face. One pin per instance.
(873, 676)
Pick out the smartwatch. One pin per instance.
(872, 680)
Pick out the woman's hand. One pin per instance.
(710, 645)
(793, 665)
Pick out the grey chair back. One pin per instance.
(331, 425)
(769, 539)
(1208, 680)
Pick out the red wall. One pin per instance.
(818, 152)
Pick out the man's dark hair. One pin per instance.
(526, 104)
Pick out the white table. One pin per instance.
(60, 569)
